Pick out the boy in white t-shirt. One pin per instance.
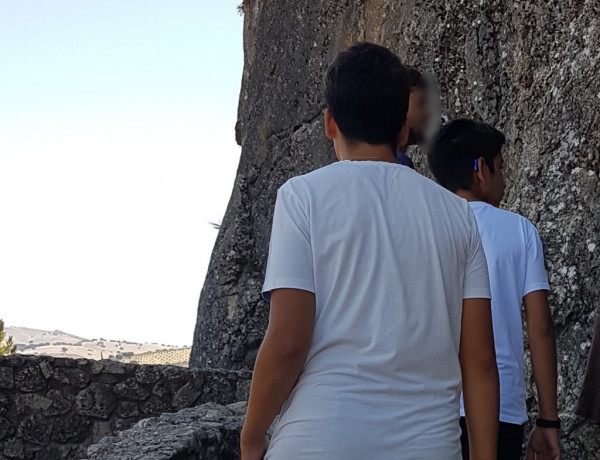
(466, 158)
(379, 297)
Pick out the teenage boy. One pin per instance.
(379, 296)
(466, 158)
(418, 116)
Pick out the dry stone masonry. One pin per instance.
(54, 408)
(530, 67)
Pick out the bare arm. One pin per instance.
(542, 344)
(480, 378)
(543, 352)
(279, 363)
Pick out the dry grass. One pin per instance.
(179, 357)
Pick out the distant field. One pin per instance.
(62, 344)
(178, 357)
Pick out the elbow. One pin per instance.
(485, 362)
(494, 375)
(289, 351)
(484, 368)
(489, 368)
(481, 379)
(543, 331)
(292, 354)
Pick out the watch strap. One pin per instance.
(543, 423)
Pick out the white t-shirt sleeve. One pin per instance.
(536, 278)
(477, 280)
(290, 263)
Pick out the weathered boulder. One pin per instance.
(208, 432)
(529, 67)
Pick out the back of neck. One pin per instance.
(361, 151)
(469, 195)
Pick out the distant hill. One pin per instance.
(62, 344)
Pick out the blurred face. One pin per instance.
(419, 114)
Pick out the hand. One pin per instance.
(253, 447)
(543, 444)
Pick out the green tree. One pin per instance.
(7, 347)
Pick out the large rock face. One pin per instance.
(529, 67)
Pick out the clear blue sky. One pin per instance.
(117, 149)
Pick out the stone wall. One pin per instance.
(54, 408)
(530, 67)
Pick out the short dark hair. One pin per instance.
(367, 93)
(456, 147)
(415, 78)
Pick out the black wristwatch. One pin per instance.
(543, 423)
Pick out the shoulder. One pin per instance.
(503, 218)
(518, 219)
(307, 180)
(446, 198)
(449, 209)
(301, 189)
(498, 215)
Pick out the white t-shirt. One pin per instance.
(516, 265)
(390, 256)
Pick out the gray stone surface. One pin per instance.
(29, 379)
(7, 379)
(69, 404)
(530, 67)
(132, 390)
(208, 432)
(97, 401)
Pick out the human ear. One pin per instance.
(480, 170)
(404, 134)
(331, 128)
(332, 132)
